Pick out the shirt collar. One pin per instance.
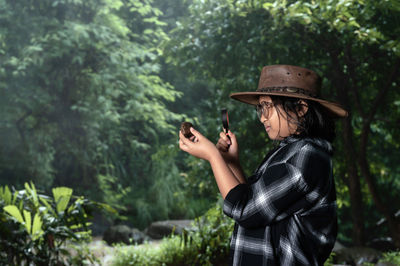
(324, 144)
(288, 140)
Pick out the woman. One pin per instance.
(285, 213)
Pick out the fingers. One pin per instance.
(225, 138)
(233, 136)
(182, 146)
(222, 145)
(184, 143)
(224, 142)
(194, 139)
(196, 133)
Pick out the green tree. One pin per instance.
(82, 102)
(360, 38)
(352, 44)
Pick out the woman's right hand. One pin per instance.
(229, 149)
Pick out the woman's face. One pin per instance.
(276, 124)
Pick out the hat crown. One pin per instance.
(277, 76)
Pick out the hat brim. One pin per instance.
(252, 98)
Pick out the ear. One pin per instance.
(302, 108)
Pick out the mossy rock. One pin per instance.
(357, 255)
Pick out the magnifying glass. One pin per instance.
(225, 121)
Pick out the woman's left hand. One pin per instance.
(201, 147)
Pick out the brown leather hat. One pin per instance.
(290, 81)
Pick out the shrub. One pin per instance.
(37, 229)
(391, 257)
(206, 244)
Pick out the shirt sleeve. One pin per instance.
(283, 189)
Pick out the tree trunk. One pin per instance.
(357, 214)
(341, 82)
(393, 222)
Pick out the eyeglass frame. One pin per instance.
(264, 109)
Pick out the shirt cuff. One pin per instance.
(233, 197)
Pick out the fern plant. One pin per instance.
(36, 229)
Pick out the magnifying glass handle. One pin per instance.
(225, 121)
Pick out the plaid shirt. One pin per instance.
(286, 213)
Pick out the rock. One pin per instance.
(383, 244)
(123, 234)
(385, 264)
(338, 246)
(357, 255)
(137, 236)
(160, 229)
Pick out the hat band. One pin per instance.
(288, 90)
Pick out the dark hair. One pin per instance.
(315, 123)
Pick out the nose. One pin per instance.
(263, 118)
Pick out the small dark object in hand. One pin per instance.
(225, 122)
(185, 128)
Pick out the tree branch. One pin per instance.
(19, 127)
(363, 162)
(350, 63)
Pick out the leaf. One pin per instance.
(47, 204)
(37, 227)
(14, 212)
(32, 191)
(28, 221)
(27, 188)
(62, 195)
(15, 196)
(6, 195)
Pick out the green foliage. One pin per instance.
(163, 198)
(351, 19)
(352, 44)
(217, 50)
(329, 261)
(81, 254)
(206, 244)
(93, 93)
(82, 101)
(391, 257)
(387, 258)
(58, 223)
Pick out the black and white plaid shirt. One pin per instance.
(286, 213)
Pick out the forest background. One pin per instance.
(93, 93)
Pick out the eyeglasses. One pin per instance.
(263, 109)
